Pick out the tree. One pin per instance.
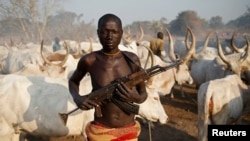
(186, 18)
(216, 22)
(32, 15)
(69, 25)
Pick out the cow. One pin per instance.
(32, 104)
(221, 101)
(58, 67)
(206, 67)
(17, 59)
(165, 81)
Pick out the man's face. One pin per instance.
(110, 34)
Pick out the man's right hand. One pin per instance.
(84, 103)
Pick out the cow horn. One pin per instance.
(42, 55)
(235, 47)
(67, 54)
(206, 41)
(141, 34)
(78, 53)
(220, 52)
(191, 50)
(171, 46)
(50, 63)
(243, 58)
(127, 37)
(151, 55)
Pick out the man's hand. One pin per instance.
(84, 103)
(126, 94)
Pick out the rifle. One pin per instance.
(106, 93)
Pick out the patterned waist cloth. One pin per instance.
(98, 132)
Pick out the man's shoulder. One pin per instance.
(131, 55)
(89, 57)
(91, 54)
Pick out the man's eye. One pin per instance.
(103, 32)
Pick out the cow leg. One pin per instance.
(22, 137)
(172, 93)
(182, 91)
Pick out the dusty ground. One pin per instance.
(182, 125)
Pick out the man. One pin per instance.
(56, 45)
(105, 66)
(158, 46)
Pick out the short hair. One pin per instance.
(160, 35)
(108, 17)
(57, 39)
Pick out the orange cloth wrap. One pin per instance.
(97, 132)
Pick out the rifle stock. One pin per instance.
(106, 93)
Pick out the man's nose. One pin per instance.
(110, 35)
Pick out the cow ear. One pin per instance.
(224, 67)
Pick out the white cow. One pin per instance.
(205, 68)
(221, 101)
(19, 58)
(31, 104)
(165, 81)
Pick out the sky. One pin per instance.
(153, 10)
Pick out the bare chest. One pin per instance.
(105, 70)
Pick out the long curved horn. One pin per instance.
(67, 54)
(127, 36)
(42, 55)
(141, 34)
(206, 41)
(235, 48)
(223, 57)
(151, 55)
(245, 56)
(171, 46)
(220, 52)
(191, 50)
(129, 31)
(50, 63)
(78, 53)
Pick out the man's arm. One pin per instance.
(74, 82)
(162, 48)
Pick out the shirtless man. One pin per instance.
(104, 66)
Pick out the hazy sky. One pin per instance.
(149, 10)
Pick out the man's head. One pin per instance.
(160, 35)
(57, 40)
(109, 31)
(107, 17)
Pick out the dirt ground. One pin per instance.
(182, 124)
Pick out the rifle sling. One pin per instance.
(129, 60)
(127, 107)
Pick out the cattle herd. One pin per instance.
(34, 86)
